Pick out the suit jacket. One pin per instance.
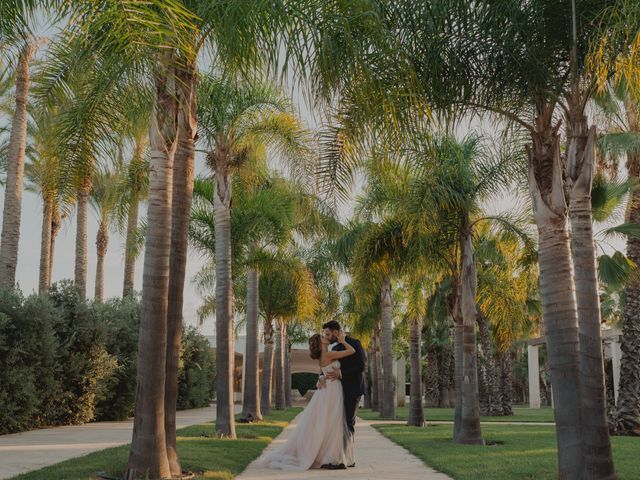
(352, 368)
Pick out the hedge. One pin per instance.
(304, 381)
(65, 360)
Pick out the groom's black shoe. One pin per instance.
(352, 465)
(333, 466)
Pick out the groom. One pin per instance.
(351, 374)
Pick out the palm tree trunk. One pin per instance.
(506, 383)
(431, 379)
(148, 452)
(45, 246)
(368, 402)
(225, 422)
(279, 367)
(12, 213)
(251, 401)
(102, 243)
(380, 372)
(129, 257)
(130, 253)
(490, 405)
(82, 217)
(267, 367)
(626, 419)
(444, 373)
(597, 455)
(375, 393)
(388, 409)
(456, 315)
(470, 432)
(56, 222)
(287, 369)
(557, 291)
(182, 193)
(416, 412)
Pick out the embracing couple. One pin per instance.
(323, 436)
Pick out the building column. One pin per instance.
(400, 374)
(534, 376)
(616, 356)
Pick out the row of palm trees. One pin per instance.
(384, 74)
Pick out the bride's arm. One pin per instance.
(349, 350)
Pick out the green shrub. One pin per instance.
(65, 361)
(304, 381)
(196, 379)
(117, 394)
(28, 360)
(83, 358)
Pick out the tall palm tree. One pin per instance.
(11, 214)
(287, 290)
(43, 175)
(517, 97)
(133, 189)
(262, 219)
(620, 107)
(452, 179)
(237, 123)
(104, 200)
(416, 312)
(507, 304)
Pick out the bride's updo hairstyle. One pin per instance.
(315, 346)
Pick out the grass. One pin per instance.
(523, 452)
(199, 449)
(520, 414)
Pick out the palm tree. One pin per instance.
(619, 106)
(415, 312)
(237, 122)
(11, 215)
(104, 199)
(43, 175)
(507, 304)
(262, 219)
(99, 82)
(452, 179)
(287, 290)
(517, 96)
(133, 189)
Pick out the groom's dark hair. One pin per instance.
(332, 325)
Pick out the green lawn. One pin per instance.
(520, 414)
(200, 452)
(523, 452)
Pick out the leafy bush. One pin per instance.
(196, 380)
(84, 359)
(64, 360)
(118, 391)
(304, 381)
(28, 360)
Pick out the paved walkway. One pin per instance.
(376, 458)
(27, 451)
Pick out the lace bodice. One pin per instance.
(333, 365)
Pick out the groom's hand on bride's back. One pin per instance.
(334, 375)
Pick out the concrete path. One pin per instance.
(376, 458)
(27, 451)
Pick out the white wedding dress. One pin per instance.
(320, 436)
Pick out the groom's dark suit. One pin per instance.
(352, 370)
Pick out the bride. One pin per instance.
(321, 437)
